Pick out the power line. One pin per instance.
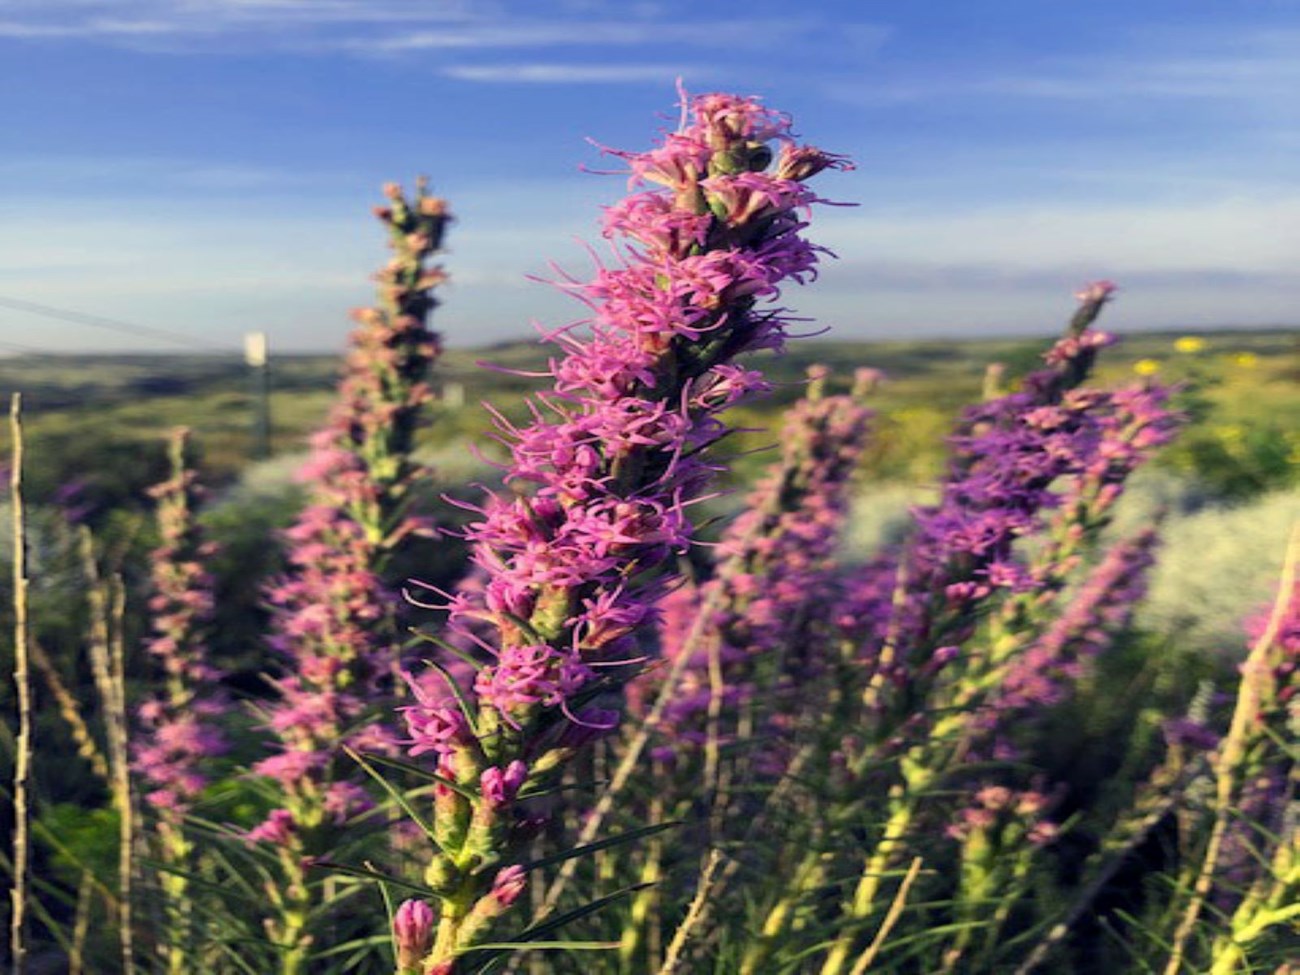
(20, 349)
(111, 324)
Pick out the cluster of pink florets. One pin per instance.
(333, 612)
(178, 731)
(573, 558)
(615, 452)
(773, 563)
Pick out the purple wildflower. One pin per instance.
(1049, 458)
(775, 562)
(177, 736)
(1042, 674)
(615, 454)
(279, 828)
(333, 613)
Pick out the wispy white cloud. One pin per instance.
(143, 176)
(129, 21)
(573, 73)
(736, 34)
(390, 27)
(1245, 65)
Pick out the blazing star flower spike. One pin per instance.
(335, 613)
(604, 472)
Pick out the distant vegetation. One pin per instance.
(99, 416)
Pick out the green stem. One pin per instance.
(1228, 960)
(810, 874)
(873, 875)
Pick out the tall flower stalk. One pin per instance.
(615, 453)
(1042, 675)
(772, 582)
(1017, 459)
(1053, 447)
(741, 651)
(179, 733)
(1254, 756)
(334, 613)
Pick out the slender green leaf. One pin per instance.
(630, 836)
(393, 793)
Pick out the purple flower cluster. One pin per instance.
(1104, 604)
(1279, 669)
(333, 612)
(1052, 446)
(621, 452)
(1267, 712)
(615, 454)
(775, 569)
(996, 811)
(178, 734)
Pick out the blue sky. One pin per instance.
(207, 166)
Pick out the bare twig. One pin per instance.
(694, 915)
(107, 666)
(22, 680)
(891, 919)
(81, 925)
(1232, 752)
(69, 710)
(122, 773)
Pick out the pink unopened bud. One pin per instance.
(500, 788)
(802, 162)
(412, 932)
(1096, 291)
(508, 885)
(995, 797)
(278, 828)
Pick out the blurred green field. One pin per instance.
(101, 419)
(1228, 489)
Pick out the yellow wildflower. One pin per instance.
(1189, 344)
(1146, 367)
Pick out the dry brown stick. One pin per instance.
(631, 757)
(891, 919)
(694, 915)
(105, 650)
(1232, 753)
(122, 774)
(98, 637)
(69, 711)
(22, 680)
(712, 776)
(81, 925)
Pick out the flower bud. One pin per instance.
(508, 884)
(412, 933)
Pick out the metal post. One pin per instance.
(259, 374)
